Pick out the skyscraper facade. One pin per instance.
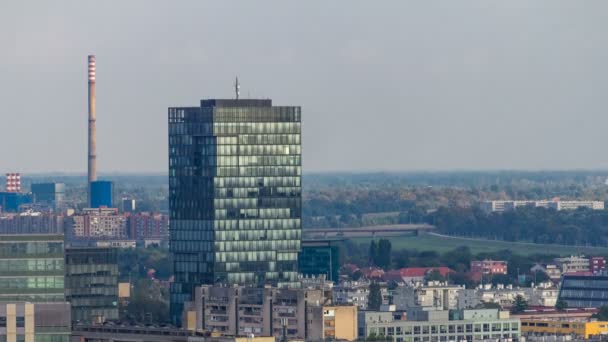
(234, 195)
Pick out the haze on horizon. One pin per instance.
(402, 86)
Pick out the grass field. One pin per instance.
(440, 243)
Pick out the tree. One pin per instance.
(373, 252)
(561, 305)
(434, 275)
(602, 314)
(374, 299)
(383, 257)
(520, 304)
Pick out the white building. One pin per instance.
(545, 294)
(506, 205)
(356, 293)
(573, 263)
(434, 294)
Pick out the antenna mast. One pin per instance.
(237, 88)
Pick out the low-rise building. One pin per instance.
(574, 327)
(544, 294)
(433, 294)
(573, 264)
(356, 293)
(441, 325)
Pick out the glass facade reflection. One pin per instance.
(234, 194)
(31, 268)
(579, 291)
(92, 283)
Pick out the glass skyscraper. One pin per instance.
(234, 195)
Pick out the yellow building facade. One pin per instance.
(564, 327)
(340, 322)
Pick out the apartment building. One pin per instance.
(441, 325)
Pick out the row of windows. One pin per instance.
(249, 182)
(259, 171)
(227, 238)
(31, 265)
(221, 245)
(284, 213)
(234, 171)
(31, 283)
(585, 294)
(266, 113)
(589, 283)
(256, 128)
(468, 338)
(264, 253)
(254, 278)
(257, 192)
(444, 329)
(16, 249)
(180, 141)
(248, 161)
(233, 150)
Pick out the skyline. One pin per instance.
(447, 93)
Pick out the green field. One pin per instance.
(428, 242)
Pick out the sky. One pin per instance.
(384, 86)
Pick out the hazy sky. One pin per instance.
(384, 85)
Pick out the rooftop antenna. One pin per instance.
(237, 87)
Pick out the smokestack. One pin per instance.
(92, 166)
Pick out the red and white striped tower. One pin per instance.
(13, 182)
(92, 166)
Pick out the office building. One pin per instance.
(97, 224)
(320, 257)
(52, 194)
(32, 302)
(101, 194)
(441, 325)
(234, 195)
(91, 287)
(579, 291)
